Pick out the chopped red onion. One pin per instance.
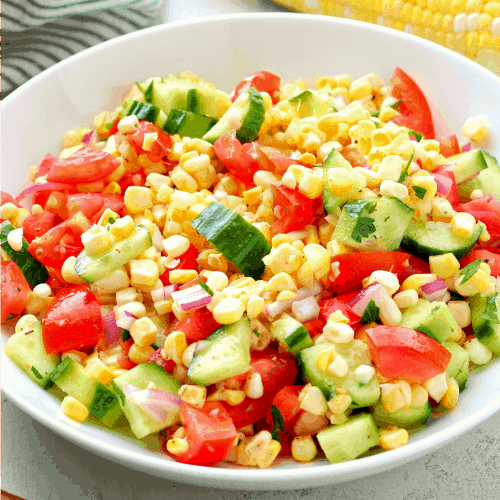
(192, 298)
(306, 309)
(47, 186)
(90, 138)
(443, 184)
(339, 102)
(112, 332)
(126, 320)
(279, 306)
(435, 290)
(157, 403)
(375, 292)
(164, 293)
(466, 147)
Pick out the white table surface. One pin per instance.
(40, 465)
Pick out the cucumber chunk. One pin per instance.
(240, 242)
(291, 334)
(95, 267)
(488, 180)
(99, 399)
(432, 318)
(458, 366)
(309, 103)
(487, 330)
(373, 224)
(467, 164)
(225, 353)
(188, 124)
(34, 272)
(347, 441)
(141, 422)
(424, 239)
(407, 418)
(27, 351)
(250, 107)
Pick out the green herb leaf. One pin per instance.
(206, 288)
(148, 94)
(419, 191)
(469, 270)
(125, 335)
(355, 207)
(491, 310)
(363, 228)
(396, 104)
(111, 220)
(279, 423)
(371, 313)
(36, 372)
(256, 333)
(417, 135)
(9, 318)
(406, 170)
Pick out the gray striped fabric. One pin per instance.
(38, 33)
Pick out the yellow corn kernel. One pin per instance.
(143, 331)
(98, 370)
(228, 310)
(72, 408)
(285, 258)
(393, 437)
(339, 403)
(305, 275)
(419, 396)
(140, 354)
(26, 322)
(319, 258)
(174, 346)
(279, 239)
(450, 399)
(234, 397)
(340, 180)
(443, 266)
(477, 283)
(463, 225)
(144, 272)
(183, 180)
(442, 210)
(475, 128)
(417, 280)
(267, 458)
(177, 446)
(324, 359)
(286, 295)
(252, 196)
(304, 449)
(279, 282)
(137, 199)
(96, 239)
(193, 394)
(182, 276)
(392, 398)
(255, 306)
(311, 186)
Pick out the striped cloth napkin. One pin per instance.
(39, 33)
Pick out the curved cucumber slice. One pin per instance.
(487, 329)
(291, 334)
(333, 202)
(408, 418)
(458, 366)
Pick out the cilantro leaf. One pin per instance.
(406, 170)
(279, 423)
(36, 372)
(419, 191)
(417, 135)
(469, 270)
(355, 208)
(363, 228)
(491, 310)
(206, 288)
(125, 335)
(256, 332)
(111, 220)
(9, 318)
(371, 313)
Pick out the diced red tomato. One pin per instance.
(452, 195)
(73, 321)
(405, 353)
(186, 261)
(132, 179)
(315, 326)
(93, 205)
(287, 402)
(485, 209)
(210, 433)
(7, 198)
(263, 81)
(259, 158)
(38, 224)
(43, 169)
(167, 364)
(294, 210)
(14, 290)
(278, 161)
(448, 146)
(355, 267)
(160, 147)
(490, 257)
(415, 266)
(232, 155)
(353, 155)
(123, 360)
(329, 306)
(197, 326)
(84, 166)
(277, 370)
(415, 110)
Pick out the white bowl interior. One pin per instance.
(223, 50)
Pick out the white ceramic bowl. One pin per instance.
(223, 50)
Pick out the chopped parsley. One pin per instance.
(371, 313)
(206, 288)
(406, 170)
(491, 310)
(469, 270)
(279, 423)
(111, 220)
(419, 191)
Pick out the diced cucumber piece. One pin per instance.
(249, 106)
(347, 441)
(373, 224)
(141, 422)
(355, 354)
(407, 418)
(488, 180)
(225, 353)
(309, 103)
(71, 377)
(458, 366)
(240, 242)
(424, 239)
(291, 334)
(487, 329)
(188, 124)
(95, 267)
(34, 272)
(143, 111)
(432, 318)
(27, 351)
(333, 202)
(467, 164)
(169, 93)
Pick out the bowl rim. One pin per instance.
(252, 479)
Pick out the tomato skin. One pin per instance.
(355, 267)
(72, 321)
(405, 353)
(132, 179)
(38, 224)
(415, 110)
(160, 147)
(278, 161)
(259, 158)
(123, 360)
(287, 402)
(448, 146)
(490, 257)
(197, 326)
(14, 289)
(187, 261)
(275, 374)
(263, 81)
(485, 209)
(416, 265)
(167, 364)
(240, 164)
(329, 306)
(93, 205)
(315, 326)
(7, 198)
(210, 433)
(84, 166)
